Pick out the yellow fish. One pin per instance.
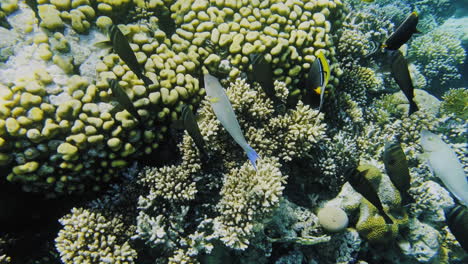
(368, 1)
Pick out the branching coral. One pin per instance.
(88, 237)
(439, 54)
(456, 101)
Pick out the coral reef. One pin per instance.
(88, 237)
(439, 53)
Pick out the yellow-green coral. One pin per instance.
(456, 101)
(88, 237)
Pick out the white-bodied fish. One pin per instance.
(223, 111)
(445, 164)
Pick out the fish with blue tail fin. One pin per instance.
(457, 221)
(226, 116)
(400, 72)
(317, 80)
(122, 98)
(361, 184)
(396, 166)
(120, 45)
(403, 33)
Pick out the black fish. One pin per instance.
(191, 125)
(122, 97)
(457, 221)
(3, 21)
(262, 72)
(122, 48)
(403, 33)
(33, 5)
(396, 166)
(359, 182)
(317, 81)
(400, 72)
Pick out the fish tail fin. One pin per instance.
(253, 156)
(387, 219)
(412, 108)
(146, 80)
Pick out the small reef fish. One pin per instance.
(400, 72)
(262, 72)
(368, 1)
(121, 46)
(457, 221)
(396, 167)
(318, 77)
(4, 22)
(444, 164)
(225, 114)
(190, 124)
(403, 33)
(359, 182)
(122, 97)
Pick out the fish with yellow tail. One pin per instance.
(403, 33)
(120, 45)
(445, 165)
(317, 80)
(225, 114)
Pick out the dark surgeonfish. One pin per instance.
(3, 21)
(400, 72)
(319, 74)
(359, 182)
(403, 33)
(33, 5)
(262, 72)
(190, 124)
(396, 166)
(122, 98)
(121, 46)
(457, 221)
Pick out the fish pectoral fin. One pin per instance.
(213, 99)
(106, 44)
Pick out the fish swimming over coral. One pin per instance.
(262, 72)
(457, 221)
(445, 165)
(121, 46)
(358, 180)
(400, 72)
(190, 124)
(368, 1)
(396, 167)
(122, 97)
(403, 33)
(225, 114)
(317, 80)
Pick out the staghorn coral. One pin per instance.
(89, 237)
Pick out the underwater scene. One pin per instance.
(233, 131)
